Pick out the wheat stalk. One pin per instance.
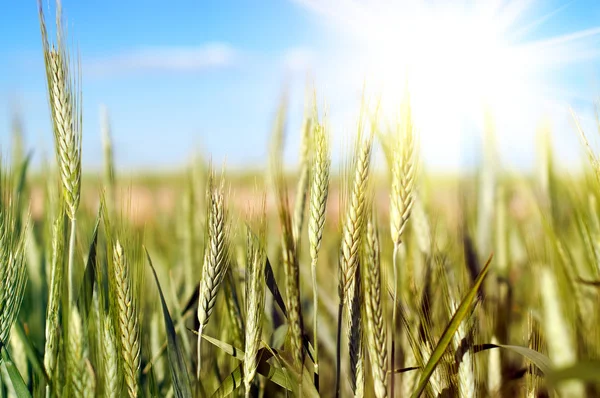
(215, 262)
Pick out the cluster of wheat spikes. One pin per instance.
(422, 310)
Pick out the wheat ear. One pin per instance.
(54, 300)
(318, 205)
(303, 180)
(215, 262)
(64, 96)
(255, 302)
(13, 271)
(401, 201)
(292, 278)
(75, 354)
(125, 304)
(375, 331)
(110, 359)
(352, 230)
(355, 336)
(353, 225)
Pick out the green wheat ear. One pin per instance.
(13, 272)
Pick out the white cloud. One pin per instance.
(164, 59)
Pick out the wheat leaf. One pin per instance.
(179, 372)
(15, 377)
(461, 313)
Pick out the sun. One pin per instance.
(459, 61)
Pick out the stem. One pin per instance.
(339, 345)
(199, 353)
(71, 259)
(315, 315)
(393, 353)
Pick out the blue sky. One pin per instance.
(208, 75)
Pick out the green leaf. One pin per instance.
(86, 290)
(461, 313)
(179, 373)
(538, 359)
(274, 289)
(15, 377)
(307, 388)
(20, 189)
(230, 384)
(228, 348)
(277, 375)
(35, 358)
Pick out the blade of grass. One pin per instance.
(34, 357)
(274, 289)
(538, 359)
(15, 377)
(86, 291)
(461, 313)
(179, 373)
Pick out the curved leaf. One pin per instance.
(540, 360)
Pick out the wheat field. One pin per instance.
(314, 281)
